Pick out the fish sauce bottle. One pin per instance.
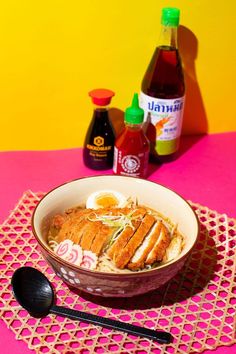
(131, 151)
(99, 141)
(163, 90)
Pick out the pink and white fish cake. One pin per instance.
(89, 260)
(63, 249)
(76, 255)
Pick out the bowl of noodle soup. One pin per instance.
(114, 250)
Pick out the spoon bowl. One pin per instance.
(34, 292)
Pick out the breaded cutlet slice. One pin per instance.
(126, 234)
(121, 241)
(101, 239)
(138, 259)
(58, 220)
(78, 213)
(103, 234)
(111, 211)
(72, 228)
(55, 226)
(74, 210)
(128, 251)
(158, 251)
(174, 248)
(89, 235)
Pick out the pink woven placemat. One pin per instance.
(197, 306)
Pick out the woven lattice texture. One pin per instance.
(197, 306)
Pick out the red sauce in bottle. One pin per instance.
(131, 151)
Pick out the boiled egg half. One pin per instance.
(106, 198)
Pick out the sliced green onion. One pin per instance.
(120, 222)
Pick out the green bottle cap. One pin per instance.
(134, 114)
(170, 16)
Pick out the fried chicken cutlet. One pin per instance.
(132, 237)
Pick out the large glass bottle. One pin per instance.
(163, 90)
(99, 141)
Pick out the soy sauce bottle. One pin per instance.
(163, 90)
(99, 141)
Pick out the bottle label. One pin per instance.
(98, 150)
(130, 165)
(165, 114)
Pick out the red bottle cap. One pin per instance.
(101, 97)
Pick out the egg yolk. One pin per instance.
(106, 200)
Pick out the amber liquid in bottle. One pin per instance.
(163, 79)
(164, 75)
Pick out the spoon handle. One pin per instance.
(159, 336)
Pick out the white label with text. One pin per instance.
(165, 114)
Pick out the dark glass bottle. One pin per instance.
(162, 91)
(99, 141)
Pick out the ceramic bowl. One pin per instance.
(150, 194)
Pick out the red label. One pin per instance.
(130, 165)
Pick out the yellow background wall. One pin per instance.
(53, 52)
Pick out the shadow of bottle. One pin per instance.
(194, 118)
(116, 116)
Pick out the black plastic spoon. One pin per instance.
(34, 292)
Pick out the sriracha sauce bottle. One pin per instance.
(99, 141)
(163, 90)
(131, 150)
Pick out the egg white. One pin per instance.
(91, 201)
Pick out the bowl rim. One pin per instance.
(110, 274)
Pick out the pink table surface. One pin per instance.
(205, 172)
